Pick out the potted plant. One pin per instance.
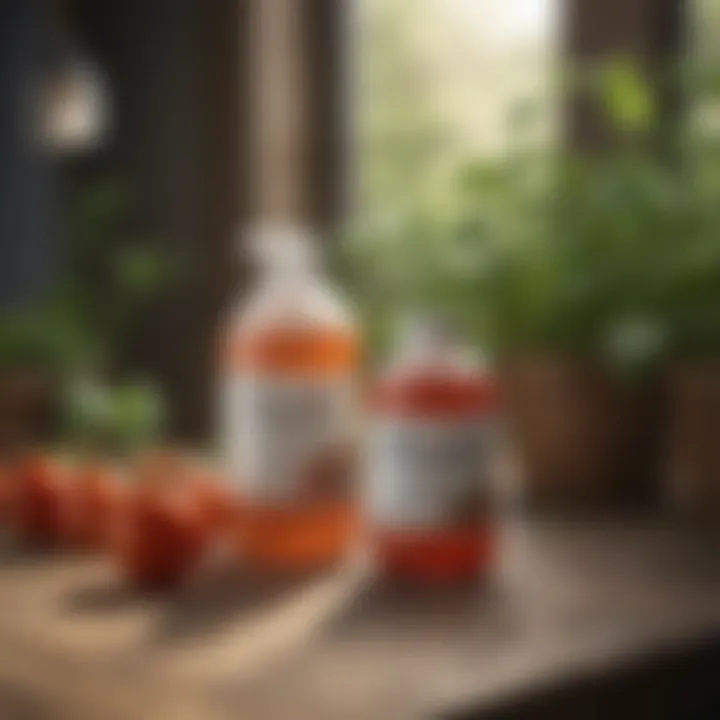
(36, 346)
(70, 335)
(567, 304)
(548, 262)
(691, 307)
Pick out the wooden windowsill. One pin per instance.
(570, 602)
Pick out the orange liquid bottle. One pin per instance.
(290, 412)
(428, 500)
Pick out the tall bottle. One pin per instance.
(290, 409)
(428, 499)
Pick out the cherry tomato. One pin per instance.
(161, 468)
(7, 487)
(160, 535)
(40, 501)
(94, 497)
(216, 500)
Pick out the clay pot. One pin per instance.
(584, 439)
(692, 440)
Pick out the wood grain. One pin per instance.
(568, 600)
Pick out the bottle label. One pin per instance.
(428, 474)
(288, 440)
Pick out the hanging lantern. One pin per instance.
(75, 98)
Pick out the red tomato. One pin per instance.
(95, 494)
(40, 501)
(7, 484)
(160, 535)
(216, 500)
(162, 467)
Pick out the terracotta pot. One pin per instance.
(26, 396)
(584, 440)
(692, 442)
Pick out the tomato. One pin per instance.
(95, 494)
(7, 486)
(160, 535)
(40, 501)
(213, 495)
(216, 500)
(161, 467)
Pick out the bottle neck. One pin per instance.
(284, 254)
(289, 271)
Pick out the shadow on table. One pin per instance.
(405, 611)
(677, 683)
(218, 597)
(20, 704)
(13, 554)
(107, 598)
(223, 597)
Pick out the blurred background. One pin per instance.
(428, 141)
(544, 174)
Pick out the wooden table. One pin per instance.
(569, 600)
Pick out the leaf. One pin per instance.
(139, 271)
(627, 97)
(87, 413)
(138, 414)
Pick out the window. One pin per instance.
(437, 81)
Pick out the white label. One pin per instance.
(288, 439)
(425, 474)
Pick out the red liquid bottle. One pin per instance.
(428, 499)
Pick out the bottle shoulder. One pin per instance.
(310, 304)
(417, 388)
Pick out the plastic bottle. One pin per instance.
(289, 398)
(428, 497)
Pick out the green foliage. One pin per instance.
(80, 320)
(395, 265)
(87, 413)
(139, 414)
(627, 97)
(73, 331)
(616, 256)
(116, 418)
(404, 137)
(107, 276)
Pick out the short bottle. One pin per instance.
(289, 399)
(428, 495)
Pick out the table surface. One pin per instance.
(567, 600)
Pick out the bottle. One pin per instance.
(290, 410)
(428, 495)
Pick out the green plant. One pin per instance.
(119, 418)
(71, 335)
(104, 278)
(615, 257)
(107, 275)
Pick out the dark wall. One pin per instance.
(26, 243)
(178, 72)
(330, 30)
(176, 68)
(651, 32)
